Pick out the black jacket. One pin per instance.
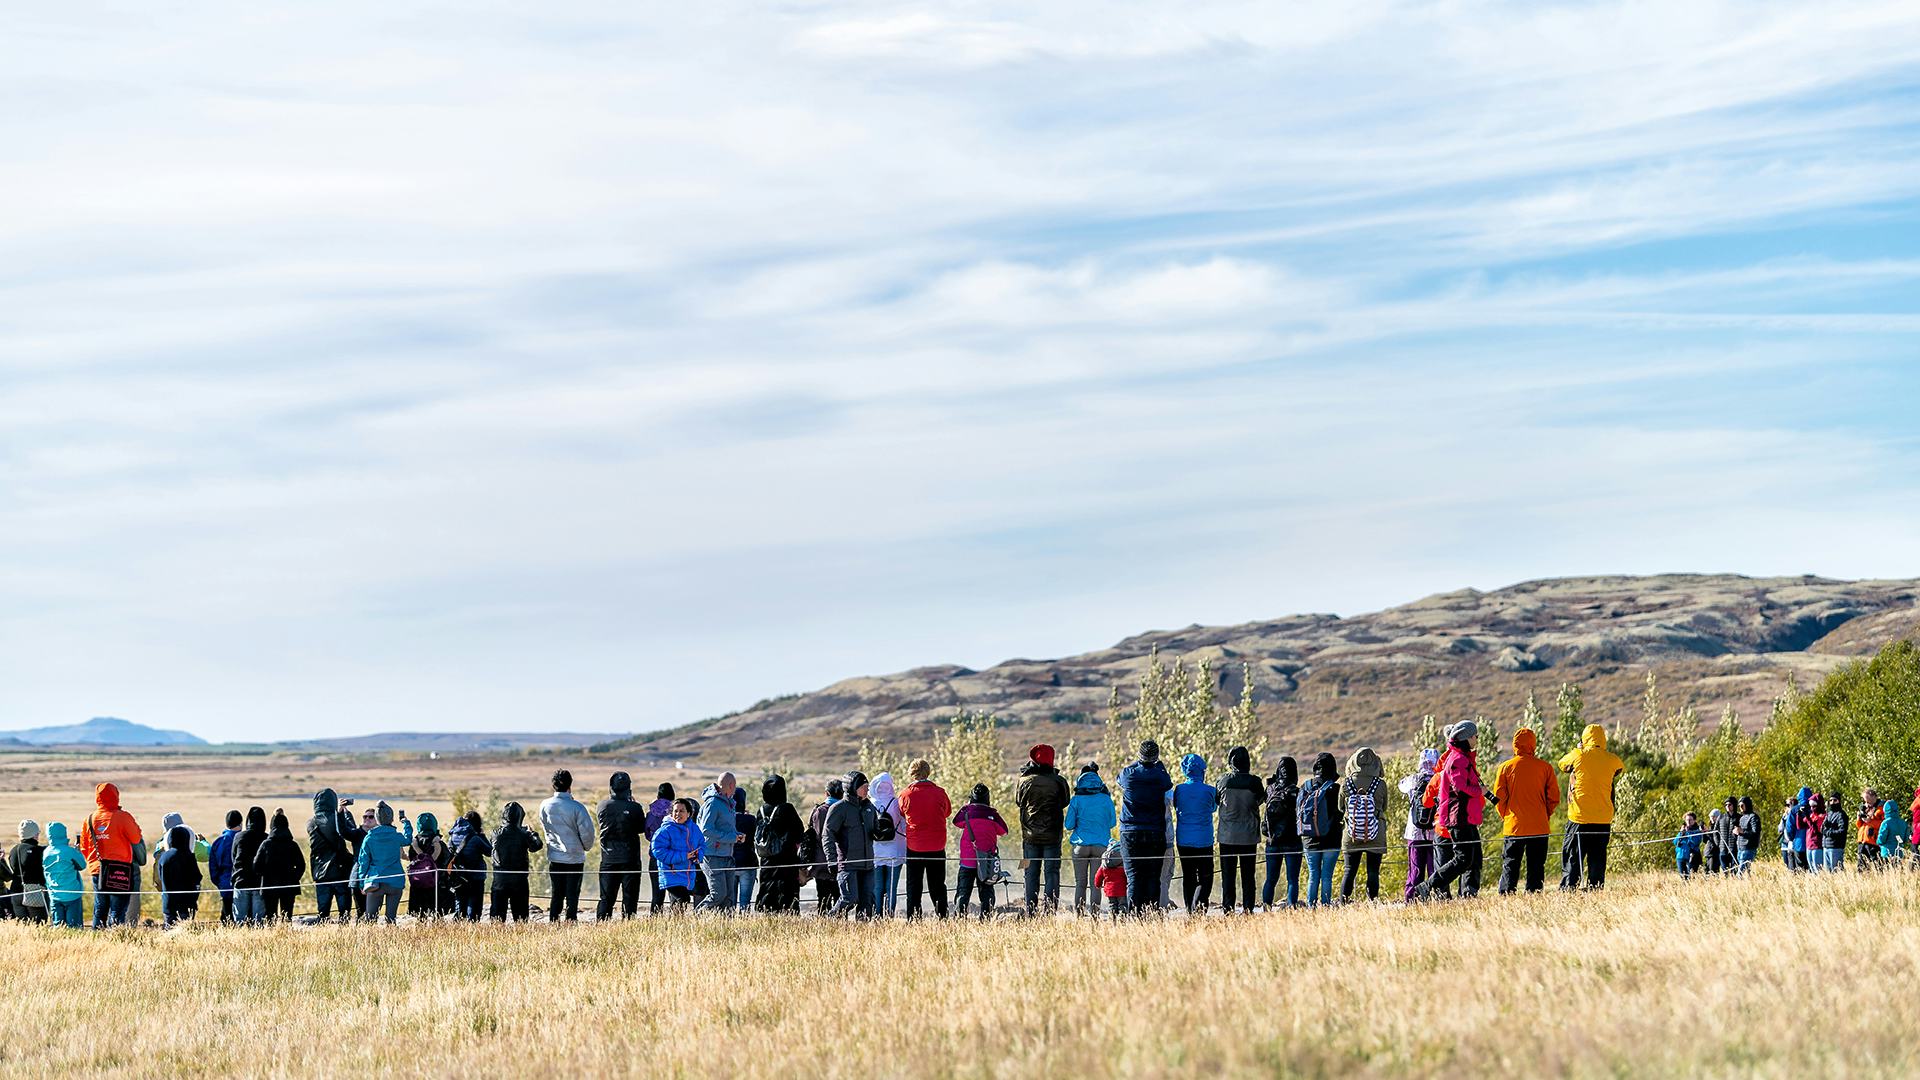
(331, 838)
(470, 852)
(279, 861)
(514, 843)
(622, 823)
(1283, 808)
(23, 863)
(784, 829)
(177, 870)
(247, 845)
(1042, 797)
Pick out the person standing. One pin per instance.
(378, 866)
(568, 829)
(1462, 802)
(1242, 798)
(1089, 824)
(980, 829)
(850, 826)
(746, 864)
(249, 892)
(1143, 824)
(658, 811)
(1729, 835)
(889, 845)
(63, 866)
(1320, 828)
(826, 890)
(281, 867)
(925, 807)
(1364, 838)
(622, 824)
(331, 840)
(1282, 828)
(110, 839)
(1194, 804)
(678, 846)
(1525, 791)
(1593, 773)
(720, 832)
(1041, 798)
(513, 848)
(777, 846)
(1419, 832)
(220, 864)
(429, 890)
(1746, 837)
(1835, 828)
(29, 880)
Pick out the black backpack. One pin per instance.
(883, 829)
(764, 845)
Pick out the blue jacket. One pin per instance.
(675, 847)
(62, 864)
(1143, 798)
(379, 862)
(1193, 804)
(718, 820)
(1090, 817)
(1686, 843)
(220, 862)
(1893, 831)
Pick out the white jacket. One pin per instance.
(568, 827)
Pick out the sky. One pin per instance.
(475, 367)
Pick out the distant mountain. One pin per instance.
(451, 742)
(1323, 682)
(102, 731)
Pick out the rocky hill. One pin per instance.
(1327, 682)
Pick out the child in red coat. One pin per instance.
(1111, 879)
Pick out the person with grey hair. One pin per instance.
(720, 827)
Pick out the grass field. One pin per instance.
(1772, 976)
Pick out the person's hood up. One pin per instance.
(739, 799)
(29, 829)
(180, 838)
(773, 790)
(107, 797)
(57, 834)
(1593, 738)
(1194, 768)
(1805, 797)
(279, 825)
(621, 785)
(326, 802)
(1889, 811)
(383, 813)
(1289, 772)
(1324, 768)
(256, 819)
(882, 787)
(515, 814)
(1364, 765)
(167, 822)
(1525, 742)
(1819, 803)
(1113, 855)
(852, 783)
(1429, 761)
(1040, 754)
(426, 824)
(1239, 760)
(1089, 784)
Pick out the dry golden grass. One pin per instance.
(1764, 977)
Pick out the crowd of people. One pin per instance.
(868, 841)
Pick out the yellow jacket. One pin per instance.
(1590, 793)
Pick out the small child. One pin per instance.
(63, 866)
(1686, 845)
(677, 848)
(1111, 879)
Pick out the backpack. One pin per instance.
(1362, 812)
(1419, 814)
(422, 870)
(1319, 818)
(764, 848)
(883, 829)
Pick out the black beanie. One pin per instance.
(1149, 751)
(234, 819)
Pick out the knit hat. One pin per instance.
(234, 819)
(29, 830)
(1465, 729)
(854, 780)
(1041, 754)
(981, 795)
(1090, 767)
(383, 813)
(1149, 750)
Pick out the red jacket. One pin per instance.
(1112, 880)
(1462, 798)
(926, 808)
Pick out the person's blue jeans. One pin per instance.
(720, 888)
(66, 913)
(745, 878)
(886, 889)
(1042, 859)
(109, 909)
(1276, 861)
(1320, 868)
(1744, 858)
(856, 891)
(1836, 858)
(339, 893)
(249, 906)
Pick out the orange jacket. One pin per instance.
(109, 832)
(1869, 831)
(1431, 797)
(1526, 789)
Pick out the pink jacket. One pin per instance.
(979, 826)
(1460, 776)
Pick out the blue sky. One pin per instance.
(468, 367)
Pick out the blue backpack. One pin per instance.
(1319, 817)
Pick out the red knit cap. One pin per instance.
(1041, 754)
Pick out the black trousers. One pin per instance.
(927, 869)
(565, 878)
(226, 907)
(1236, 861)
(1532, 850)
(1585, 845)
(469, 894)
(1196, 876)
(1144, 852)
(509, 898)
(622, 882)
(1354, 858)
(1442, 851)
(826, 889)
(656, 895)
(779, 888)
(1463, 865)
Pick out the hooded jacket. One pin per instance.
(717, 825)
(677, 849)
(194, 844)
(1812, 820)
(178, 871)
(621, 824)
(1323, 789)
(1746, 833)
(658, 811)
(1283, 807)
(220, 861)
(1913, 817)
(62, 864)
(1365, 776)
(514, 844)
(1727, 833)
(784, 828)
(109, 832)
(1194, 802)
(279, 860)
(889, 852)
(568, 827)
(1594, 771)
(1892, 830)
(1143, 797)
(23, 865)
(926, 808)
(1090, 815)
(1041, 798)
(246, 875)
(1463, 799)
(849, 832)
(1241, 799)
(1414, 787)
(980, 829)
(331, 838)
(1525, 789)
(380, 861)
(1834, 828)
(468, 846)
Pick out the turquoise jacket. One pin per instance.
(1893, 831)
(63, 865)
(380, 862)
(1090, 815)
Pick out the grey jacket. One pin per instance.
(568, 827)
(1364, 779)
(850, 827)
(1243, 799)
